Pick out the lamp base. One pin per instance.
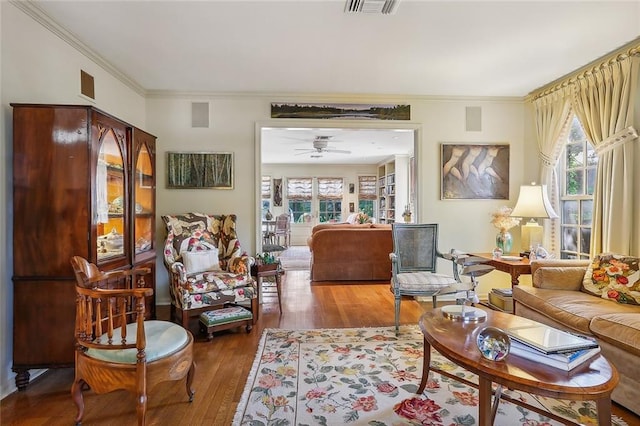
(531, 235)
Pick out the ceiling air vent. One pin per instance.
(385, 7)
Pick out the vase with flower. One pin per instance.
(362, 217)
(503, 221)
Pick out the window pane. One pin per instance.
(575, 155)
(586, 210)
(300, 210)
(570, 212)
(266, 205)
(330, 211)
(570, 239)
(592, 157)
(574, 185)
(366, 206)
(576, 133)
(591, 180)
(585, 240)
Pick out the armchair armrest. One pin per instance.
(558, 274)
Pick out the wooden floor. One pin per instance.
(222, 364)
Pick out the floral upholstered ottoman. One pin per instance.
(224, 319)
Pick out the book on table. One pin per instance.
(549, 340)
(565, 361)
(503, 291)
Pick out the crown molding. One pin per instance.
(328, 97)
(37, 14)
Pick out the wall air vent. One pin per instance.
(385, 7)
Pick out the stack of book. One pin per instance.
(501, 299)
(552, 347)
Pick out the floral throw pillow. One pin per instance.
(614, 277)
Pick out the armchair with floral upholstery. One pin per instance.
(206, 265)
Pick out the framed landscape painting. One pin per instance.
(475, 171)
(200, 170)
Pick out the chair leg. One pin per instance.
(141, 408)
(397, 312)
(76, 395)
(434, 301)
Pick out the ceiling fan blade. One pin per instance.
(304, 151)
(337, 151)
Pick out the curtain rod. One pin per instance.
(631, 48)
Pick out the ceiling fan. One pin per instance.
(320, 146)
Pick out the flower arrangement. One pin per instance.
(502, 220)
(362, 217)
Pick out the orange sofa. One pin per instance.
(350, 252)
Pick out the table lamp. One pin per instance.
(533, 203)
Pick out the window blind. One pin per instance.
(367, 187)
(299, 188)
(330, 188)
(266, 187)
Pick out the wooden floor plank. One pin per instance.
(222, 364)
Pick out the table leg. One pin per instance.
(484, 402)
(278, 284)
(603, 406)
(515, 278)
(426, 363)
(259, 285)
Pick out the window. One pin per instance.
(330, 199)
(577, 171)
(367, 194)
(299, 194)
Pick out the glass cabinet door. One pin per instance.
(144, 203)
(110, 198)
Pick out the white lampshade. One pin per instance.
(533, 202)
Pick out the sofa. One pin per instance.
(350, 252)
(595, 298)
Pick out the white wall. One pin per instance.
(464, 224)
(40, 67)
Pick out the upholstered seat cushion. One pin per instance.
(225, 316)
(209, 281)
(163, 338)
(424, 281)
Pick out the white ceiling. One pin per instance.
(366, 146)
(430, 48)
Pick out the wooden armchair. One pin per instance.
(115, 347)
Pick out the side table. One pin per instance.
(260, 271)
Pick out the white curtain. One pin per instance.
(552, 118)
(604, 102)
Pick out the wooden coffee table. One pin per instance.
(456, 340)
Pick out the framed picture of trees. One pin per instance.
(200, 170)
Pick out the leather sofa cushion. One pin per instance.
(574, 309)
(621, 330)
(558, 277)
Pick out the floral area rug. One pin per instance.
(368, 376)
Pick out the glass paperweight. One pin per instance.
(494, 344)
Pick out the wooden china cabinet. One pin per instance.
(83, 184)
